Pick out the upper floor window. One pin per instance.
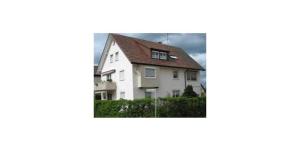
(150, 73)
(155, 54)
(191, 75)
(175, 74)
(121, 75)
(108, 77)
(176, 93)
(116, 56)
(111, 58)
(163, 55)
(113, 43)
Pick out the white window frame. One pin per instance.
(149, 68)
(165, 55)
(111, 58)
(189, 75)
(177, 74)
(173, 93)
(122, 95)
(117, 56)
(147, 92)
(120, 77)
(157, 54)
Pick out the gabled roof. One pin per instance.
(138, 51)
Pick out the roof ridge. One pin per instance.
(137, 39)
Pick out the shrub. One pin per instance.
(166, 107)
(189, 92)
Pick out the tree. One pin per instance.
(189, 92)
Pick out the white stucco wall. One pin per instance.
(122, 64)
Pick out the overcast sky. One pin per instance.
(193, 43)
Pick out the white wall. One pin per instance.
(122, 64)
(166, 82)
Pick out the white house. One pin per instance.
(131, 68)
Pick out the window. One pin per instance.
(148, 94)
(176, 93)
(111, 58)
(150, 73)
(113, 43)
(122, 95)
(191, 75)
(121, 75)
(175, 74)
(104, 95)
(108, 77)
(155, 54)
(117, 56)
(163, 55)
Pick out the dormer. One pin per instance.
(159, 54)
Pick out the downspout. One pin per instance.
(185, 78)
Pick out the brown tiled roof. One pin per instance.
(139, 51)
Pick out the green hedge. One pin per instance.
(166, 107)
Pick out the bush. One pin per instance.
(166, 107)
(189, 92)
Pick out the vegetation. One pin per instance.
(166, 107)
(189, 92)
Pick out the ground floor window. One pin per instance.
(104, 96)
(148, 94)
(98, 96)
(122, 95)
(176, 93)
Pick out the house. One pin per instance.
(132, 68)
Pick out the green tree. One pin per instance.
(189, 92)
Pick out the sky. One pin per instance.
(193, 43)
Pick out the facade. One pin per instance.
(131, 68)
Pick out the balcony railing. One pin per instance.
(105, 86)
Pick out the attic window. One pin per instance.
(155, 54)
(163, 55)
(113, 43)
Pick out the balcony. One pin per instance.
(105, 86)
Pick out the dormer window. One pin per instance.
(155, 54)
(163, 55)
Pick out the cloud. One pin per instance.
(99, 43)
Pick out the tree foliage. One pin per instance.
(189, 92)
